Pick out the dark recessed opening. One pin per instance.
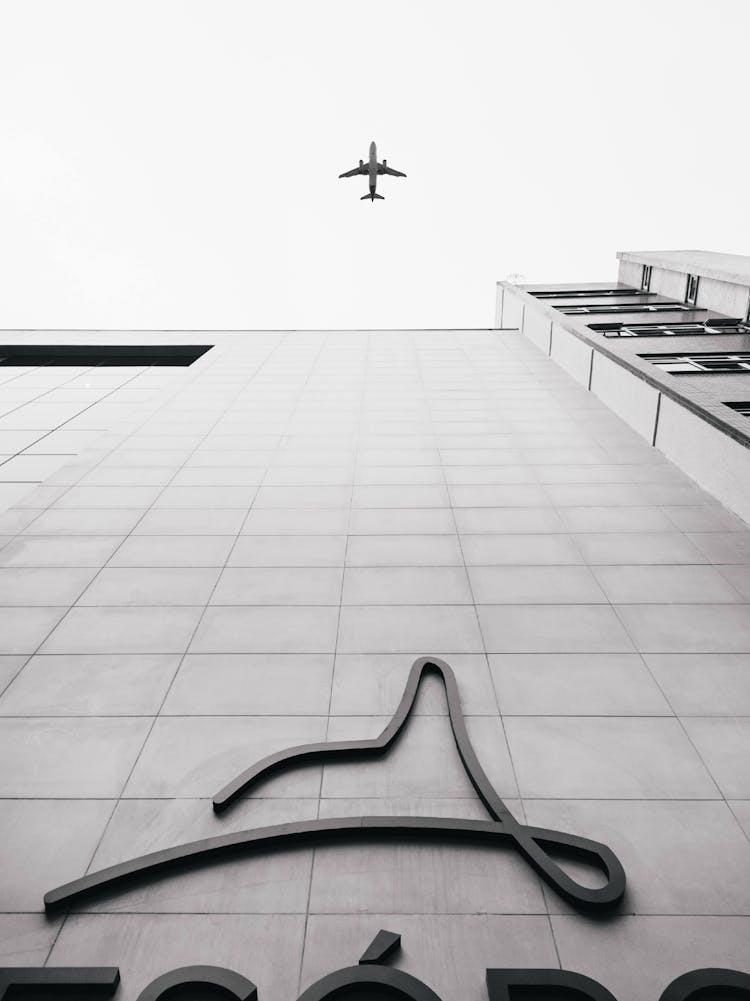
(102, 354)
(563, 293)
(740, 408)
(701, 363)
(690, 329)
(655, 307)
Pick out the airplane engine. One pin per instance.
(361, 164)
(385, 163)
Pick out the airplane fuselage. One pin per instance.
(372, 168)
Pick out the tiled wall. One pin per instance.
(255, 562)
(49, 414)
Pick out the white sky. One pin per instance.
(173, 163)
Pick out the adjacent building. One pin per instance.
(667, 347)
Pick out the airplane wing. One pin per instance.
(384, 169)
(353, 173)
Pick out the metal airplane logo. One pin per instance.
(372, 169)
(532, 843)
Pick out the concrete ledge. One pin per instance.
(716, 462)
(672, 284)
(734, 268)
(630, 398)
(724, 297)
(538, 328)
(511, 308)
(630, 273)
(571, 354)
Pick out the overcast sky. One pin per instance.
(173, 163)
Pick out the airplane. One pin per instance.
(372, 169)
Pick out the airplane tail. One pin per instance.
(372, 197)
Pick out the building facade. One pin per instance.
(667, 347)
(241, 545)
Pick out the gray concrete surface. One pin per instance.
(251, 556)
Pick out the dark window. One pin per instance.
(741, 408)
(648, 329)
(89, 355)
(646, 278)
(727, 325)
(658, 307)
(577, 293)
(691, 292)
(721, 326)
(690, 364)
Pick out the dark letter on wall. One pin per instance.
(550, 985)
(75, 982)
(709, 985)
(194, 980)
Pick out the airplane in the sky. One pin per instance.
(372, 168)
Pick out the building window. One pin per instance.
(727, 325)
(740, 408)
(691, 292)
(646, 278)
(580, 293)
(719, 326)
(648, 329)
(659, 307)
(689, 364)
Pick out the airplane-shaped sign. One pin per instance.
(372, 168)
